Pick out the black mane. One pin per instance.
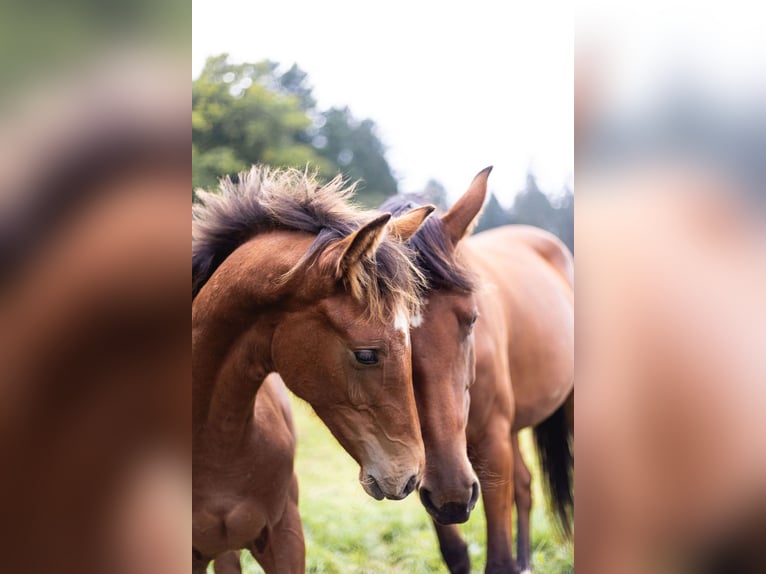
(434, 253)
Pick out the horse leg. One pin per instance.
(199, 564)
(284, 551)
(494, 463)
(522, 493)
(228, 563)
(453, 548)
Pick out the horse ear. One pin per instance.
(406, 225)
(460, 220)
(362, 242)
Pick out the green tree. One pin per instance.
(358, 152)
(249, 113)
(207, 167)
(240, 116)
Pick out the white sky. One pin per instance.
(643, 49)
(453, 87)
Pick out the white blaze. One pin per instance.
(417, 318)
(402, 323)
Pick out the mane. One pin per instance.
(266, 199)
(434, 254)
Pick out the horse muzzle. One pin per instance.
(450, 512)
(392, 489)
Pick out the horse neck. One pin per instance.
(233, 321)
(229, 366)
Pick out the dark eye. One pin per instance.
(472, 322)
(367, 356)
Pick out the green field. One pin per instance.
(347, 532)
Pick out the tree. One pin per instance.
(435, 194)
(249, 113)
(355, 147)
(493, 215)
(564, 226)
(209, 166)
(532, 206)
(240, 116)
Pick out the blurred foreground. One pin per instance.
(671, 324)
(94, 274)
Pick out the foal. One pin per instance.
(289, 278)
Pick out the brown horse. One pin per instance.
(289, 278)
(493, 353)
(273, 424)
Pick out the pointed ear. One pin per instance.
(460, 220)
(362, 242)
(406, 225)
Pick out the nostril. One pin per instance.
(425, 498)
(474, 495)
(410, 486)
(374, 487)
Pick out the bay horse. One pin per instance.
(289, 277)
(493, 353)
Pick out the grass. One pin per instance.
(347, 532)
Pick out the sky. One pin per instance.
(645, 50)
(452, 87)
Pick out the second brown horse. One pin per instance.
(493, 353)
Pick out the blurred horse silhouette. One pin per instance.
(671, 437)
(672, 266)
(94, 342)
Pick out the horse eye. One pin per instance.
(366, 356)
(473, 320)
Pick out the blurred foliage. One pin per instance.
(493, 215)
(250, 113)
(359, 153)
(44, 39)
(435, 194)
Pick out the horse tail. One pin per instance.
(554, 439)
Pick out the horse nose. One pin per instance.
(451, 512)
(377, 490)
(410, 486)
(474, 495)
